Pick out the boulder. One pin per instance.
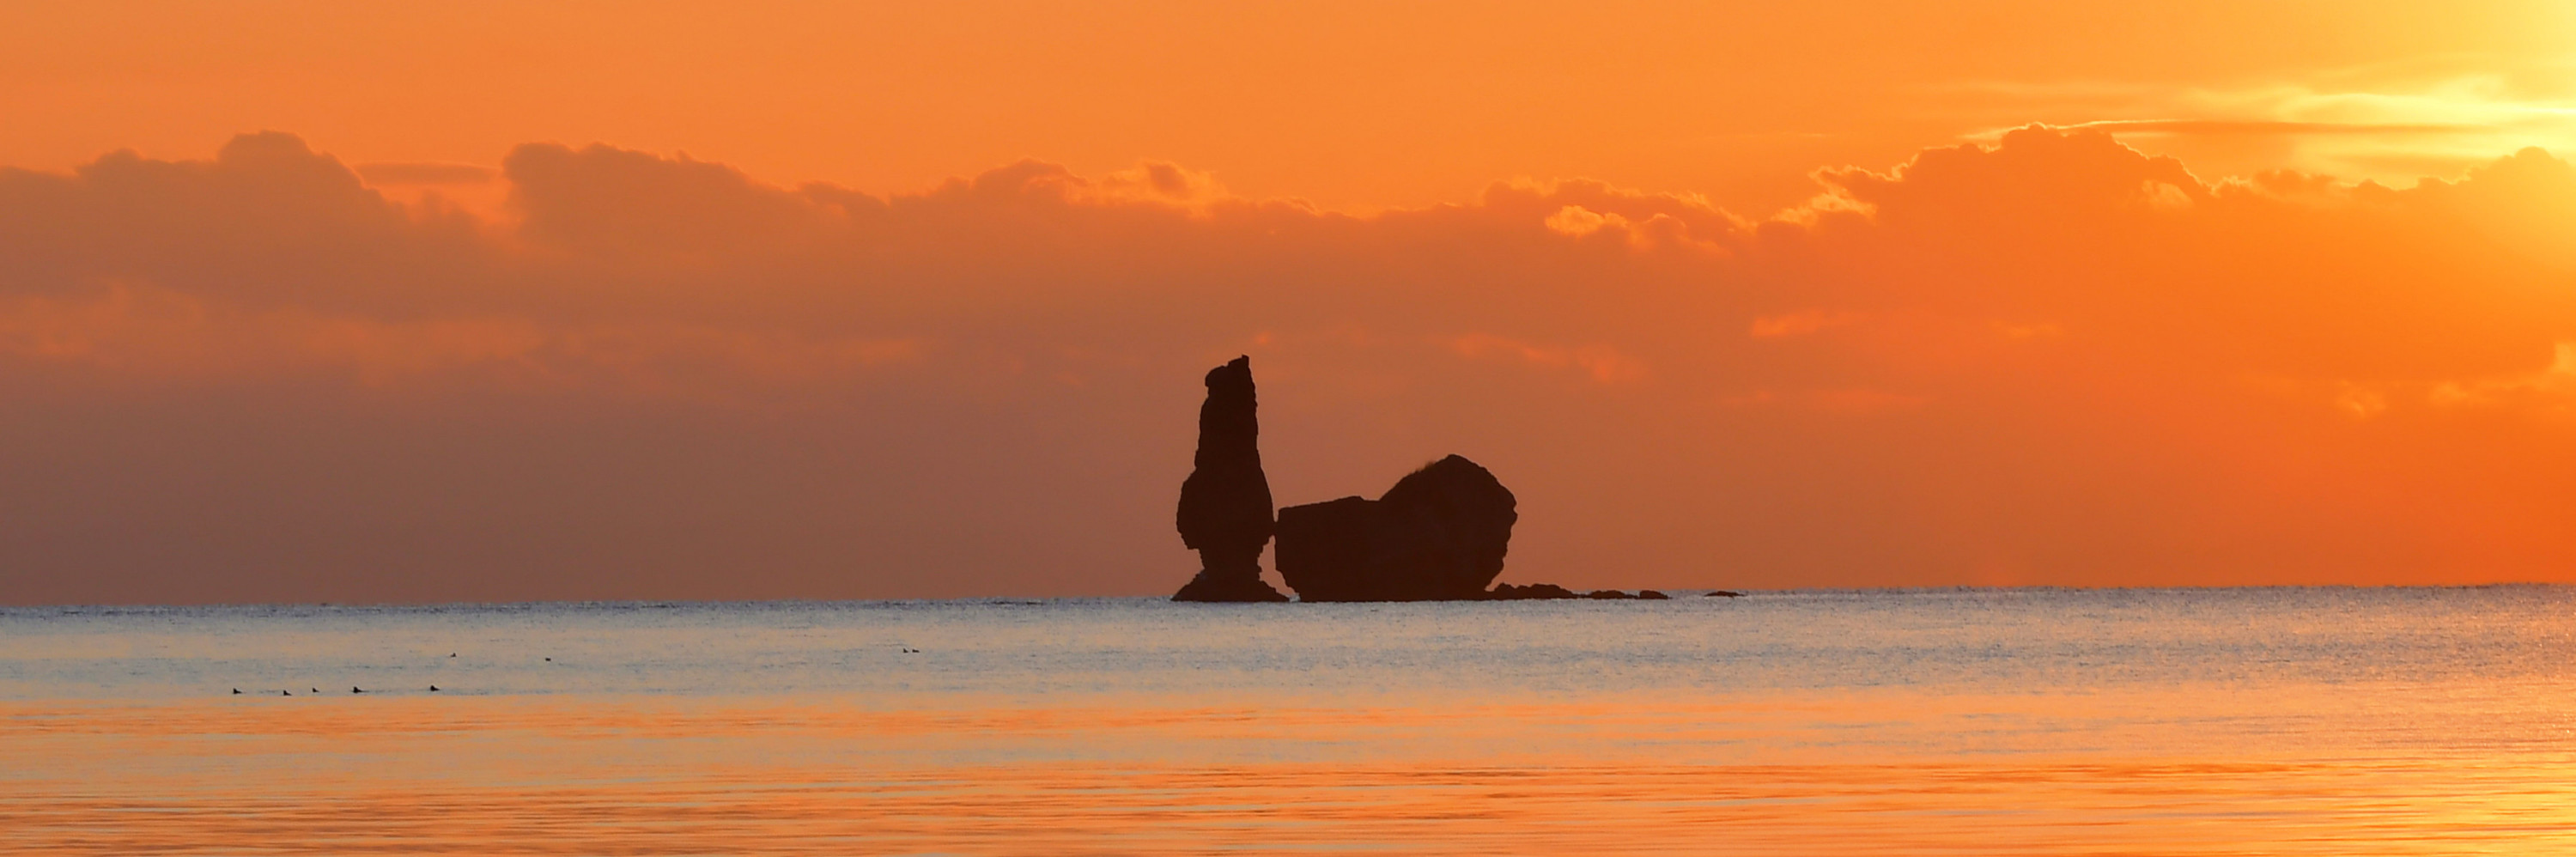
(1438, 535)
(1651, 595)
(1225, 503)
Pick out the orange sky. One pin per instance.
(1347, 104)
(1731, 294)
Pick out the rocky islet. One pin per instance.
(1440, 534)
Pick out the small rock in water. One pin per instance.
(1608, 594)
(1534, 591)
(1723, 594)
(1651, 595)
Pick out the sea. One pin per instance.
(1931, 721)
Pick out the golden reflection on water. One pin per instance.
(2377, 770)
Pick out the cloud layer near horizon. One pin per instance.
(2048, 360)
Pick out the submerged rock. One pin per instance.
(1723, 594)
(1508, 592)
(1438, 535)
(1225, 503)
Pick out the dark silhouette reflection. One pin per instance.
(1225, 504)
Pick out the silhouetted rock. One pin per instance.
(1508, 592)
(1225, 504)
(1723, 594)
(1608, 595)
(1438, 535)
(1651, 595)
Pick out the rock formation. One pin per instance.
(1439, 534)
(1225, 504)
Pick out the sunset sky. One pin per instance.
(323, 302)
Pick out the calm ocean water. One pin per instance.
(1987, 721)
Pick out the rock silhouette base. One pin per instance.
(1208, 586)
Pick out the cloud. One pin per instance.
(253, 377)
(425, 173)
(1603, 363)
(2258, 127)
(1797, 323)
(2391, 121)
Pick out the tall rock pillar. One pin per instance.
(1225, 511)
